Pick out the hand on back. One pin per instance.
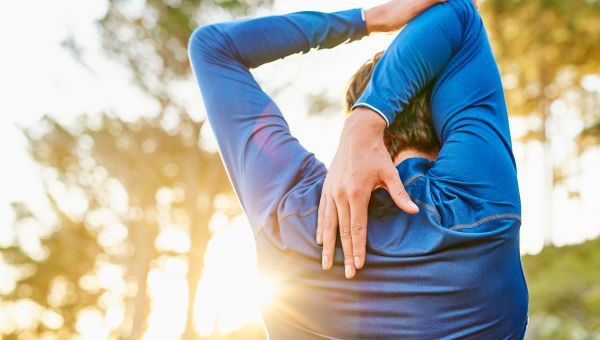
(361, 165)
(362, 162)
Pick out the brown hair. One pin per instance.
(410, 129)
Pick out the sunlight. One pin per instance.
(90, 324)
(230, 293)
(168, 288)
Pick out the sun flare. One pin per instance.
(229, 295)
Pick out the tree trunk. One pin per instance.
(143, 244)
(199, 198)
(199, 240)
(548, 199)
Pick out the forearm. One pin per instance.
(393, 15)
(254, 42)
(375, 19)
(415, 58)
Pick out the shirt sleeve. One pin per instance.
(447, 46)
(263, 160)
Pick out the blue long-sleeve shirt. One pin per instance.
(453, 270)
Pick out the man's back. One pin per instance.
(421, 279)
(453, 270)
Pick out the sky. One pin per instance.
(38, 77)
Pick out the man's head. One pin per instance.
(410, 130)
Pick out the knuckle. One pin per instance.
(358, 228)
(338, 192)
(354, 191)
(390, 175)
(403, 193)
(344, 232)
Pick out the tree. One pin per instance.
(544, 48)
(151, 39)
(106, 160)
(49, 283)
(152, 42)
(144, 158)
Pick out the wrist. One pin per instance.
(366, 120)
(374, 19)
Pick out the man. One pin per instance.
(450, 268)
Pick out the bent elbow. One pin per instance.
(205, 41)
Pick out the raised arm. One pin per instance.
(475, 168)
(446, 46)
(263, 160)
(414, 59)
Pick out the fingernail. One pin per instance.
(349, 271)
(319, 238)
(325, 262)
(357, 262)
(413, 205)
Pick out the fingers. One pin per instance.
(345, 236)
(329, 233)
(476, 2)
(352, 221)
(398, 193)
(321, 215)
(359, 205)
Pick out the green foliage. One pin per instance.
(544, 47)
(144, 158)
(564, 291)
(105, 160)
(151, 36)
(41, 276)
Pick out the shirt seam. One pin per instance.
(412, 179)
(299, 213)
(261, 228)
(374, 109)
(485, 220)
(429, 207)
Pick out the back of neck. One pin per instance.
(413, 153)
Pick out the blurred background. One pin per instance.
(117, 219)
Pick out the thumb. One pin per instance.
(396, 190)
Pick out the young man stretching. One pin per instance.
(449, 269)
